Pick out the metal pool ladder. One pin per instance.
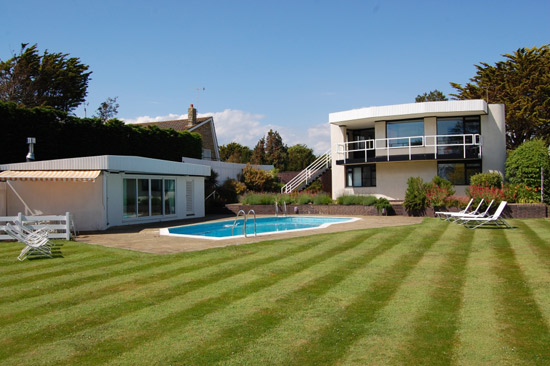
(245, 216)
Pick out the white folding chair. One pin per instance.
(36, 242)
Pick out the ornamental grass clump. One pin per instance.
(356, 200)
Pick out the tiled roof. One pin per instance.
(178, 124)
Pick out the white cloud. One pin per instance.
(247, 128)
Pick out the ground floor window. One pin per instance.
(143, 197)
(458, 173)
(361, 176)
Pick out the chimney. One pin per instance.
(191, 116)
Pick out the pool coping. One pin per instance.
(166, 232)
(147, 239)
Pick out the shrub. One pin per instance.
(487, 193)
(438, 192)
(523, 167)
(383, 206)
(415, 196)
(490, 180)
(322, 199)
(522, 194)
(259, 180)
(356, 200)
(258, 199)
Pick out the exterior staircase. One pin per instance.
(309, 174)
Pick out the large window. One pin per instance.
(469, 125)
(458, 173)
(361, 176)
(405, 129)
(145, 197)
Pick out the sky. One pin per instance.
(263, 64)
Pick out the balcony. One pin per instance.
(432, 147)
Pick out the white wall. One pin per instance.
(225, 170)
(493, 130)
(82, 199)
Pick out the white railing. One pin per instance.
(60, 226)
(407, 145)
(309, 174)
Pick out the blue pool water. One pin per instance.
(264, 225)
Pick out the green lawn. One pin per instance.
(428, 294)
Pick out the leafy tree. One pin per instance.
(275, 150)
(107, 110)
(299, 157)
(522, 83)
(259, 180)
(433, 96)
(258, 154)
(49, 80)
(235, 153)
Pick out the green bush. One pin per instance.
(259, 180)
(322, 199)
(258, 199)
(415, 196)
(383, 206)
(438, 192)
(523, 169)
(356, 200)
(489, 180)
(304, 199)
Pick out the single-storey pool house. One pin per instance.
(104, 191)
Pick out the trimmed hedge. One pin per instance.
(59, 135)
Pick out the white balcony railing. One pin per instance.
(407, 145)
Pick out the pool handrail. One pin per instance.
(235, 222)
(245, 218)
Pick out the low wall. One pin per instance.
(512, 210)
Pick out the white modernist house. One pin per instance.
(376, 149)
(104, 191)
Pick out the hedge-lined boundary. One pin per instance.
(59, 135)
(513, 210)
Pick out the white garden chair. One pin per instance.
(36, 242)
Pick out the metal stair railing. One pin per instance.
(312, 172)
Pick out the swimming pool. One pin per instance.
(264, 225)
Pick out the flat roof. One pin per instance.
(410, 110)
(115, 163)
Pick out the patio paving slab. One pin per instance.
(146, 238)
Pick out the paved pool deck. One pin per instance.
(147, 238)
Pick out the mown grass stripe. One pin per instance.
(98, 272)
(435, 331)
(19, 343)
(524, 328)
(14, 266)
(235, 339)
(143, 279)
(105, 350)
(18, 275)
(541, 247)
(344, 328)
(51, 277)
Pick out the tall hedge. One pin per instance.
(59, 135)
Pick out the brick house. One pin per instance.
(203, 126)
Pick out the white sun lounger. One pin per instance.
(36, 242)
(451, 216)
(473, 216)
(475, 222)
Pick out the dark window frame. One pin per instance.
(368, 179)
(470, 168)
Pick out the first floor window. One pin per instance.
(361, 176)
(405, 129)
(458, 173)
(143, 197)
